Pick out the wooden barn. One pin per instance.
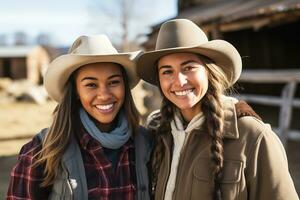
(266, 33)
(24, 62)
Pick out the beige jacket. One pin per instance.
(255, 165)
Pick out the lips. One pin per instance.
(105, 108)
(183, 92)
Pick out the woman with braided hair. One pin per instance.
(206, 148)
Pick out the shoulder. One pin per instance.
(26, 155)
(260, 133)
(253, 125)
(25, 175)
(31, 147)
(42, 134)
(249, 124)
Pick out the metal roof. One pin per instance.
(228, 11)
(231, 11)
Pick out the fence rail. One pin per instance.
(287, 101)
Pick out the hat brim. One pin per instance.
(62, 67)
(222, 53)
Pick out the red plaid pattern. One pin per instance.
(104, 183)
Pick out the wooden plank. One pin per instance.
(292, 135)
(264, 100)
(286, 110)
(270, 76)
(286, 102)
(296, 103)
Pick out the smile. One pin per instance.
(183, 93)
(105, 108)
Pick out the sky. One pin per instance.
(65, 20)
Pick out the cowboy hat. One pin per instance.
(182, 35)
(86, 50)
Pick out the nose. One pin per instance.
(103, 93)
(180, 79)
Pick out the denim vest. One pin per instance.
(71, 180)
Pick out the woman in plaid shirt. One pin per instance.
(89, 151)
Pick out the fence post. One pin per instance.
(286, 110)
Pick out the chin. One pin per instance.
(182, 105)
(106, 120)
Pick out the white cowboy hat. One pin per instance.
(87, 50)
(182, 35)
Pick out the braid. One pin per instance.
(166, 115)
(212, 109)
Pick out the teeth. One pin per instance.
(105, 107)
(183, 93)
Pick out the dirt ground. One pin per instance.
(20, 121)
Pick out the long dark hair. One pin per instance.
(61, 130)
(212, 109)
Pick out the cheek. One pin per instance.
(202, 79)
(84, 100)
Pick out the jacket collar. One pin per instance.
(230, 119)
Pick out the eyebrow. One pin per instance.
(182, 64)
(187, 62)
(95, 79)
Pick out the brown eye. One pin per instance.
(188, 68)
(91, 85)
(114, 82)
(165, 72)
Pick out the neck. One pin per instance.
(106, 127)
(189, 114)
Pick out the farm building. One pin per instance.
(23, 62)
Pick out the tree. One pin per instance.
(117, 17)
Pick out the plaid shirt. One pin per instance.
(103, 181)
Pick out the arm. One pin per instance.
(25, 180)
(267, 169)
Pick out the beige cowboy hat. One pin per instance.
(182, 35)
(87, 50)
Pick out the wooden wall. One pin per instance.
(14, 68)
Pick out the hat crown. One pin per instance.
(179, 33)
(92, 45)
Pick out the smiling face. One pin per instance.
(183, 80)
(100, 88)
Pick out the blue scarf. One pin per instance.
(112, 140)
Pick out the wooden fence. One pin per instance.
(287, 101)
